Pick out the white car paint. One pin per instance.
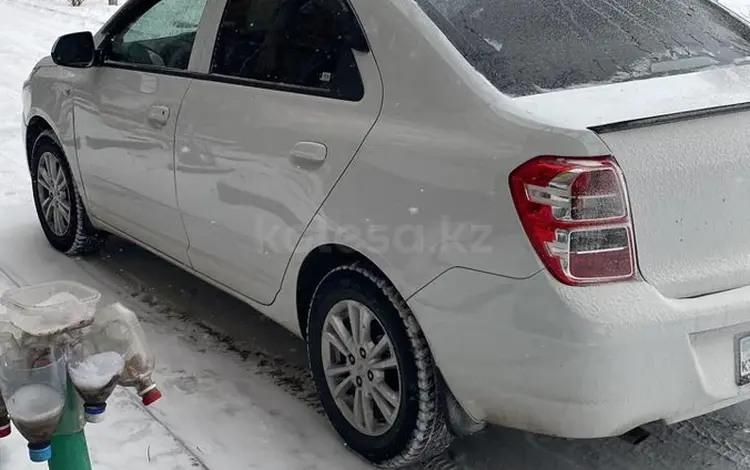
(700, 164)
(515, 346)
(121, 153)
(249, 199)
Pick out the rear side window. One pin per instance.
(526, 47)
(294, 43)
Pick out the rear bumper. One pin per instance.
(581, 362)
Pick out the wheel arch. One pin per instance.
(80, 236)
(319, 262)
(322, 260)
(411, 444)
(35, 127)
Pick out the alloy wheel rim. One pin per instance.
(361, 368)
(54, 194)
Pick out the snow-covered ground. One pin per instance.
(221, 408)
(237, 395)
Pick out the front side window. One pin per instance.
(291, 42)
(526, 47)
(162, 37)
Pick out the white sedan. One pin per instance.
(521, 212)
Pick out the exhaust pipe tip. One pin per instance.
(635, 436)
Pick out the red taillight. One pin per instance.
(575, 213)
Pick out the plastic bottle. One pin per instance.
(51, 308)
(33, 386)
(5, 428)
(94, 372)
(117, 329)
(8, 349)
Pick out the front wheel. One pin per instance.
(58, 201)
(373, 369)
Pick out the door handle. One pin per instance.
(310, 152)
(158, 115)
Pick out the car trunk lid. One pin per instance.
(683, 143)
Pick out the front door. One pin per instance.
(264, 136)
(125, 120)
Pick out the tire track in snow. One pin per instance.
(293, 379)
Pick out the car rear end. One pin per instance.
(642, 311)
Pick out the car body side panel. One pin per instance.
(443, 147)
(428, 190)
(126, 162)
(48, 95)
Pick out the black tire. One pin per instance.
(420, 431)
(80, 237)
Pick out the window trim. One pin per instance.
(217, 78)
(279, 86)
(155, 69)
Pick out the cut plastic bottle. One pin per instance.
(33, 387)
(50, 308)
(116, 328)
(94, 372)
(8, 349)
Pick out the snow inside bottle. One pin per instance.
(8, 349)
(94, 372)
(33, 387)
(117, 329)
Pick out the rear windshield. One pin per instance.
(526, 47)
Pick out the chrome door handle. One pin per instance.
(158, 115)
(311, 152)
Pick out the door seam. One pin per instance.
(174, 171)
(343, 172)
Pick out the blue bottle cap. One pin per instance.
(94, 413)
(95, 409)
(40, 452)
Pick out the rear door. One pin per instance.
(125, 120)
(263, 137)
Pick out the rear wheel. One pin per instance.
(374, 372)
(58, 201)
